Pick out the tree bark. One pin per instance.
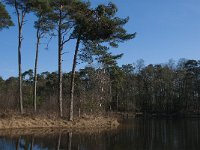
(20, 73)
(35, 71)
(117, 101)
(20, 21)
(60, 48)
(73, 79)
(110, 92)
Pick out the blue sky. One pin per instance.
(165, 29)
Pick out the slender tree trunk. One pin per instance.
(20, 72)
(110, 92)
(73, 79)
(79, 112)
(35, 71)
(20, 21)
(60, 48)
(117, 101)
(102, 79)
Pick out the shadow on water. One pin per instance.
(133, 134)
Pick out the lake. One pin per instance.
(132, 134)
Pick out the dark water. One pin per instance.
(135, 134)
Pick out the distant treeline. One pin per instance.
(163, 88)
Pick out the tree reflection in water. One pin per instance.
(137, 134)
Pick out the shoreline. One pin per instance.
(168, 115)
(39, 132)
(38, 122)
(127, 115)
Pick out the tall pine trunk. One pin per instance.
(60, 48)
(73, 79)
(20, 72)
(20, 20)
(35, 71)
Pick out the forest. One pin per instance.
(164, 88)
(105, 87)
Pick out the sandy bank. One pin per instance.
(27, 122)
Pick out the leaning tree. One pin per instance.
(94, 27)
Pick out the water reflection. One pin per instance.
(138, 134)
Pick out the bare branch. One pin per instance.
(64, 53)
(67, 40)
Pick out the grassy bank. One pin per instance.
(30, 122)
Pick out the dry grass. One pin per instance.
(16, 121)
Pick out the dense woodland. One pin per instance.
(163, 88)
(103, 85)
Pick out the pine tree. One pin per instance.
(22, 7)
(5, 19)
(63, 25)
(43, 26)
(93, 27)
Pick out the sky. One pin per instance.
(166, 30)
